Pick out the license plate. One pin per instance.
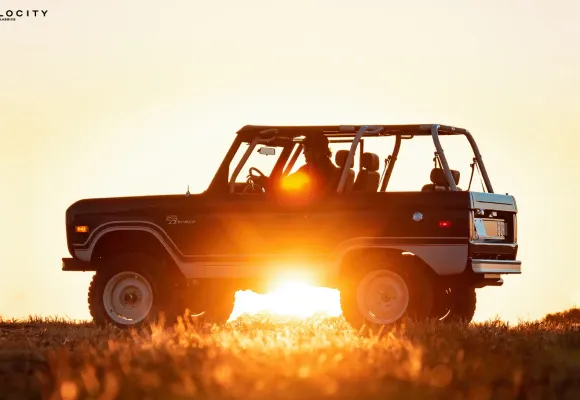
(490, 228)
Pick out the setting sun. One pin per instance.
(291, 298)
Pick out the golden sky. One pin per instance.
(143, 97)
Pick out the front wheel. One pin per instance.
(129, 290)
(385, 293)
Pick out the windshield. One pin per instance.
(262, 162)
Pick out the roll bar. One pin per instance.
(479, 159)
(374, 130)
(363, 129)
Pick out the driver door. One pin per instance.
(248, 218)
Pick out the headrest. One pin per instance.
(341, 157)
(438, 176)
(371, 161)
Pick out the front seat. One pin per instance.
(340, 159)
(368, 178)
(439, 180)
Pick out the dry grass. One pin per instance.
(259, 358)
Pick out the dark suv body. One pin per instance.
(392, 255)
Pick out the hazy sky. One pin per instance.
(120, 98)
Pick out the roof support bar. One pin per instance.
(363, 129)
(479, 161)
(443, 159)
(392, 162)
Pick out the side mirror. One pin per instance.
(267, 151)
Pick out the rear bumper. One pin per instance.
(72, 264)
(482, 266)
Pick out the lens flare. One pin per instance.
(298, 182)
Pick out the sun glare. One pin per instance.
(295, 183)
(290, 298)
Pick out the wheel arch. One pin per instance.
(350, 261)
(121, 241)
(440, 259)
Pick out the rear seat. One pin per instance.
(368, 178)
(439, 181)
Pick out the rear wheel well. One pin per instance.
(122, 242)
(351, 262)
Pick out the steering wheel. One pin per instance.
(255, 182)
(261, 174)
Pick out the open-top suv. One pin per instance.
(417, 253)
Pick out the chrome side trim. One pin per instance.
(85, 254)
(444, 259)
(198, 270)
(481, 266)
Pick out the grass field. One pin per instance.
(263, 358)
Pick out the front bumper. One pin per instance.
(72, 264)
(482, 266)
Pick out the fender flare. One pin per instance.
(442, 258)
(84, 252)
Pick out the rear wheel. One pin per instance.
(212, 300)
(382, 291)
(455, 303)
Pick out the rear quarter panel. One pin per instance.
(385, 220)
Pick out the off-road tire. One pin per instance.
(165, 301)
(417, 280)
(221, 309)
(455, 304)
(213, 300)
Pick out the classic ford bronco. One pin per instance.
(393, 255)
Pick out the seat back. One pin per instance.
(439, 180)
(368, 178)
(340, 159)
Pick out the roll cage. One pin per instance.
(289, 138)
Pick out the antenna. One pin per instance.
(187, 193)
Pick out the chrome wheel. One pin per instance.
(128, 298)
(382, 297)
